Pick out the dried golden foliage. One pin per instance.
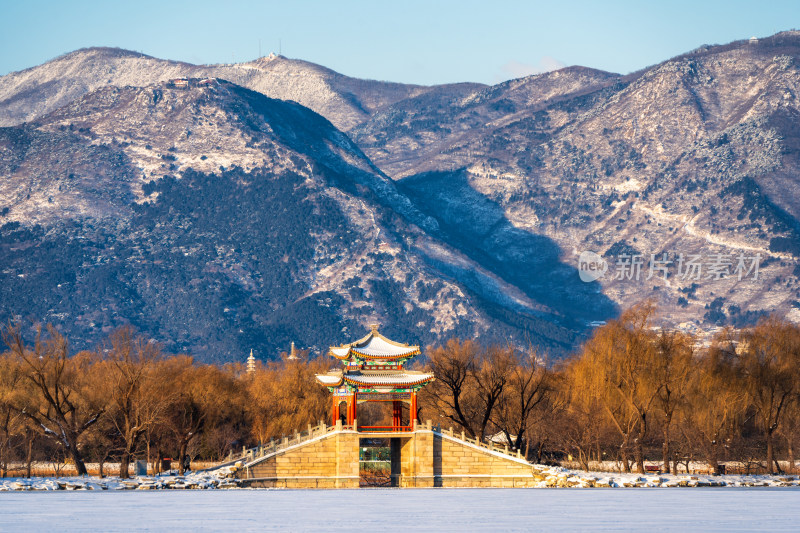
(632, 392)
(284, 397)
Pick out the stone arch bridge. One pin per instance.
(328, 457)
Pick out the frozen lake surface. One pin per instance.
(760, 509)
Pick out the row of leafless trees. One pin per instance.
(632, 393)
(126, 399)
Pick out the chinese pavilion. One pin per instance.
(373, 371)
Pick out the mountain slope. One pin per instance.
(696, 156)
(432, 131)
(495, 192)
(218, 220)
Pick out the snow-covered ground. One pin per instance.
(111, 504)
(554, 476)
(545, 476)
(701, 509)
(220, 478)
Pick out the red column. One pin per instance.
(355, 406)
(351, 408)
(397, 413)
(413, 409)
(335, 410)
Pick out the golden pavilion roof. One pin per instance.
(374, 347)
(374, 362)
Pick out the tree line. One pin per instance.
(127, 399)
(632, 393)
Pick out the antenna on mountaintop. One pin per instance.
(279, 47)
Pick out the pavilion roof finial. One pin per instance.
(374, 327)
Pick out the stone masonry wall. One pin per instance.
(417, 460)
(330, 461)
(439, 459)
(427, 458)
(462, 464)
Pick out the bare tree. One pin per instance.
(614, 369)
(527, 387)
(137, 395)
(769, 361)
(790, 429)
(453, 365)
(491, 376)
(470, 381)
(199, 398)
(579, 418)
(11, 423)
(670, 373)
(715, 402)
(70, 404)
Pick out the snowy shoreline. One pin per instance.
(558, 477)
(218, 479)
(547, 477)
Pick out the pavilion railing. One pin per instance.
(387, 429)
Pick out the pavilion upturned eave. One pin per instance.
(374, 347)
(391, 380)
(387, 379)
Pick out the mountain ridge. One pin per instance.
(693, 155)
(217, 220)
(492, 191)
(33, 92)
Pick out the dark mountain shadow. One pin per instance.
(477, 226)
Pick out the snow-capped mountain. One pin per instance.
(345, 101)
(694, 157)
(217, 220)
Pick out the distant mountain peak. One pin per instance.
(272, 57)
(222, 214)
(106, 51)
(345, 101)
(215, 218)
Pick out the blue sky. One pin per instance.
(407, 41)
